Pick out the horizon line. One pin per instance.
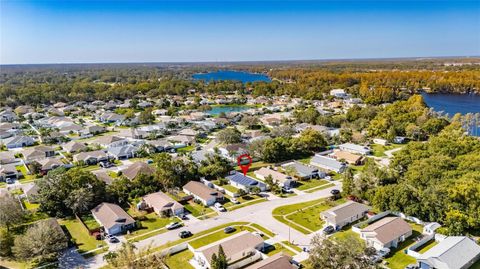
(251, 61)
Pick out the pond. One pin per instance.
(216, 110)
(232, 75)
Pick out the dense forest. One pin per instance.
(376, 82)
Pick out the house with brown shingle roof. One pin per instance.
(344, 214)
(282, 179)
(38, 152)
(387, 232)
(74, 146)
(163, 204)
(113, 218)
(203, 193)
(240, 248)
(138, 168)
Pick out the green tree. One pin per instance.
(41, 242)
(272, 184)
(229, 136)
(348, 184)
(219, 261)
(6, 243)
(146, 116)
(11, 212)
(215, 166)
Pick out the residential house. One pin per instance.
(240, 249)
(48, 164)
(123, 152)
(161, 145)
(8, 116)
(327, 163)
(357, 149)
(110, 117)
(103, 176)
(74, 147)
(18, 141)
(233, 151)
(303, 171)
(7, 157)
(277, 261)
(348, 157)
(113, 218)
(38, 152)
(339, 93)
(387, 232)
(8, 172)
(240, 181)
(453, 252)
(91, 157)
(399, 140)
(162, 204)
(138, 168)
(380, 141)
(202, 193)
(110, 141)
(180, 141)
(344, 214)
(283, 180)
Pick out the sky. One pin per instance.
(36, 31)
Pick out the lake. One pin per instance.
(453, 103)
(226, 109)
(232, 75)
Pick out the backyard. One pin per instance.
(80, 236)
(180, 260)
(398, 259)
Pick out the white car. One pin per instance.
(235, 201)
(219, 207)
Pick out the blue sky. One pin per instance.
(170, 31)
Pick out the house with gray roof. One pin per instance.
(354, 148)
(123, 152)
(113, 218)
(344, 214)
(327, 163)
(453, 252)
(240, 181)
(91, 157)
(18, 141)
(303, 171)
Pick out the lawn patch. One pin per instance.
(80, 236)
(180, 260)
(309, 184)
(276, 248)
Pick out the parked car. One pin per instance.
(329, 229)
(185, 234)
(173, 225)
(412, 266)
(287, 190)
(229, 229)
(220, 207)
(10, 181)
(113, 239)
(383, 252)
(105, 164)
(183, 217)
(329, 178)
(258, 234)
(335, 192)
(235, 201)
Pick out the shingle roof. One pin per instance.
(201, 190)
(111, 214)
(235, 245)
(388, 229)
(454, 251)
(277, 261)
(138, 168)
(327, 162)
(301, 169)
(345, 211)
(160, 201)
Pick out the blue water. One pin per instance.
(226, 109)
(453, 103)
(232, 75)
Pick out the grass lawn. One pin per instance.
(320, 188)
(230, 206)
(295, 247)
(264, 230)
(30, 206)
(14, 264)
(196, 209)
(180, 260)
(306, 160)
(90, 222)
(276, 248)
(430, 244)
(230, 188)
(304, 215)
(186, 149)
(309, 184)
(26, 177)
(151, 223)
(216, 236)
(379, 150)
(80, 236)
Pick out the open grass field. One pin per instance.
(84, 241)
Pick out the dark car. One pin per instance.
(229, 229)
(335, 192)
(105, 164)
(185, 234)
(329, 229)
(113, 239)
